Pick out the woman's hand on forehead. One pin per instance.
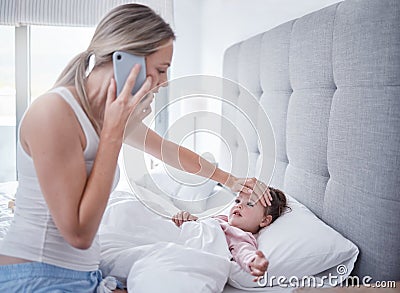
(248, 197)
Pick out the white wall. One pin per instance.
(205, 28)
(188, 30)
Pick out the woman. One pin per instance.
(69, 141)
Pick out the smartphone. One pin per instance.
(123, 63)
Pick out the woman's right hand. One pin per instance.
(182, 217)
(118, 109)
(249, 186)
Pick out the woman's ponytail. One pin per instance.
(74, 74)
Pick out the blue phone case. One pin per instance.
(123, 63)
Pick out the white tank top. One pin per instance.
(32, 234)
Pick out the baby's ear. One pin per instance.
(266, 221)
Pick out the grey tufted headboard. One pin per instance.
(330, 84)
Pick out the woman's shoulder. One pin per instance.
(48, 116)
(50, 105)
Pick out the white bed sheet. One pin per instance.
(139, 245)
(7, 193)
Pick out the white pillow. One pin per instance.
(298, 244)
(194, 198)
(187, 191)
(158, 181)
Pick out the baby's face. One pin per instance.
(247, 213)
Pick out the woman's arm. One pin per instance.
(143, 138)
(174, 155)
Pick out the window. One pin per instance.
(51, 49)
(7, 104)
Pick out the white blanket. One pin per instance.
(153, 255)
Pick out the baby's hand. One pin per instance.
(259, 265)
(182, 217)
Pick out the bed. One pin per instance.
(329, 85)
(329, 82)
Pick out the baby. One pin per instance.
(245, 219)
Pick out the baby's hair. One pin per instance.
(278, 204)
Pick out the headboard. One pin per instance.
(330, 84)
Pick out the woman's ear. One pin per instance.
(266, 221)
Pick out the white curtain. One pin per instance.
(70, 12)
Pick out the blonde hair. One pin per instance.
(133, 28)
